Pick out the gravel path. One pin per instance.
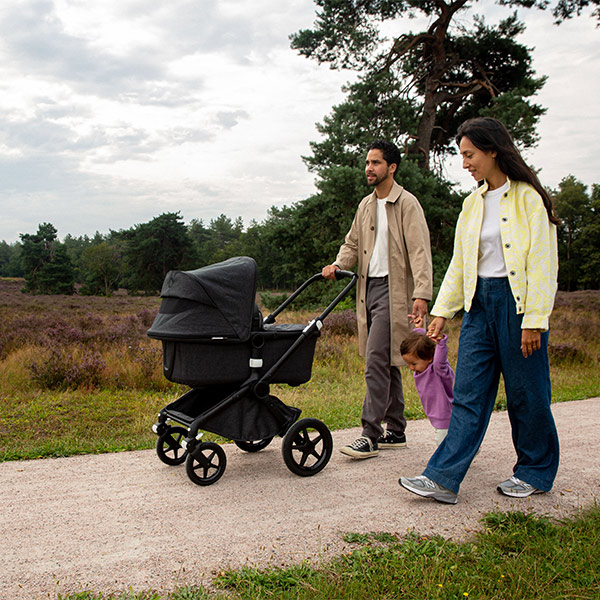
(126, 521)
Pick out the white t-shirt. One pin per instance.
(491, 258)
(378, 265)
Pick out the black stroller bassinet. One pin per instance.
(215, 341)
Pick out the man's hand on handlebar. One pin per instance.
(328, 272)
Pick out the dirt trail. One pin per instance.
(118, 521)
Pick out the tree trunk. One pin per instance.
(434, 53)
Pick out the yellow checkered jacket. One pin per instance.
(530, 252)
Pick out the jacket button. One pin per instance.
(364, 251)
(518, 298)
(372, 228)
(507, 245)
(504, 219)
(512, 273)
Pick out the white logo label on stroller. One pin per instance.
(319, 324)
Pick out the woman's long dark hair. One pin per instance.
(490, 135)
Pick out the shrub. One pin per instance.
(60, 370)
(341, 323)
(271, 300)
(560, 354)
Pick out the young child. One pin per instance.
(428, 360)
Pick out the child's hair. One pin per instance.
(419, 344)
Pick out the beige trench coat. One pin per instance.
(410, 269)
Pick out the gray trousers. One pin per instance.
(384, 400)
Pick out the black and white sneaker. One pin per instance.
(391, 439)
(361, 447)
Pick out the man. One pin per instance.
(389, 239)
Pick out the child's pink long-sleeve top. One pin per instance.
(434, 386)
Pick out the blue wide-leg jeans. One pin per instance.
(490, 345)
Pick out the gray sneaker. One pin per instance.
(391, 439)
(361, 447)
(516, 488)
(423, 486)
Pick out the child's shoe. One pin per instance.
(440, 434)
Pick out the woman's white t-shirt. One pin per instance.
(491, 257)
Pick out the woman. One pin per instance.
(503, 273)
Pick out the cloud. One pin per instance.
(117, 111)
(35, 38)
(229, 119)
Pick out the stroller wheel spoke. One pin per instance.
(316, 441)
(303, 458)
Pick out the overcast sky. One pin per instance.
(115, 111)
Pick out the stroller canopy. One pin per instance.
(216, 301)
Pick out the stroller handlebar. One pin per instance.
(339, 274)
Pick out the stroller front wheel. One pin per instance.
(168, 446)
(307, 447)
(206, 463)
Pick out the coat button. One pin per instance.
(504, 219)
(372, 228)
(507, 245)
(512, 273)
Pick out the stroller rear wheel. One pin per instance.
(307, 447)
(168, 446)
(253, 446)
(206, 463)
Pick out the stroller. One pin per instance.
(215, 341)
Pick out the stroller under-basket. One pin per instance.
(215, 341)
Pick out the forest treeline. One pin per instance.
(286, 250)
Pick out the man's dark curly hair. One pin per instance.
(390, 151)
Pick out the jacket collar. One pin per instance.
(393, 196)
(482, 189)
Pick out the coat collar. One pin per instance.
(393, 196)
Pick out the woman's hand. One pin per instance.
(530, 341)
(436, 327)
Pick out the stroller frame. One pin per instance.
(307, 443)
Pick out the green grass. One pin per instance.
(517, 555)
